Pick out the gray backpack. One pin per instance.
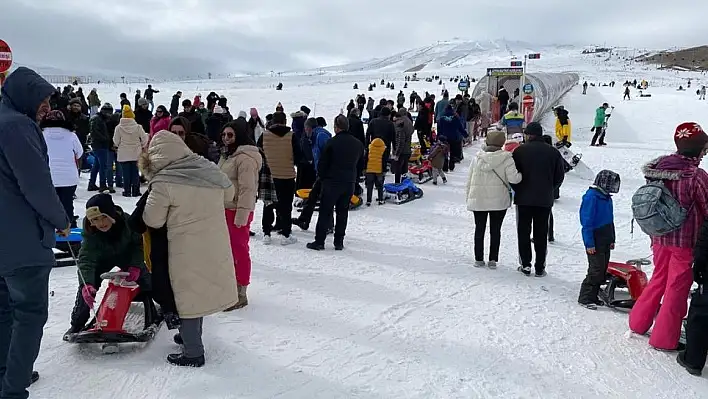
(656, 211)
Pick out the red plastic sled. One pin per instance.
(627, 275)
(424, 171)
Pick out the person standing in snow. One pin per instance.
(256, 125)
(485, 106)
(174, 106)
(424, 124)
(143, 115)
(282, 153)
(214, 124)
(65, 151)
(336, 169)
(383, 128)
(94, 102)
(626, 93)
(32, 213)
(195, 120)
(201, 266)
(402, 148)
(693, 359)
(441, 106)
(361, 103)
(542, 170)
(513, 120)
(503, 97)
(241, 162)
(688, 184)
(702, 93)
(451, 126)
(598, 229)
(599, 125)
(160, 122)
(101, 143)
(437, 156)
(137, 98)
(585, 87)
(79, 122)
(129, 139)
(124, 100)
(149, 94)
(370, 108)
(312, 144)
(488, 193)
(563, 128)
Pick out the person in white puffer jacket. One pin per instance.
(65, 150)
(489, 194)
(130, 140)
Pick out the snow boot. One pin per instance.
(680, 359)
(315, 246)
(542, 273)
(526, 270)
(92, 187)
(242, 299)
(338, 245)
(179, 359)
(492, 264)
(479, 263)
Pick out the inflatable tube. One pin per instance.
(548, 88)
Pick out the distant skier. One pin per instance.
(702, 95)
(585, 87)
(361, 103)
(599, 126)
(626, 94)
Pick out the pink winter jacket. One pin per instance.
(689, 185)
(157, 125)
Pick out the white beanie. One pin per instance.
(242, 114)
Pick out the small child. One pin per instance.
(598, 228)
(375, 170)
(437, 156)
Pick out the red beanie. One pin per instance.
(690, 136)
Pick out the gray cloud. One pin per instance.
(173, 38)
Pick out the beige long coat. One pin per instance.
(201, 266)
(130, 138)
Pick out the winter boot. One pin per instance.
(92, 187)
(179, 359)
(315, 246)
(680, 359)
(492, 264)
(479, 263)
(338, 245)
(242, 299)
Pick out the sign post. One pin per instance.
(527, 104)
(463, 85)
(5, 60)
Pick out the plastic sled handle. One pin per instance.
(111, 275)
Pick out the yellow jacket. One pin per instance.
(374, 163)
(563, 131)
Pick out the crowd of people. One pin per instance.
(193, 258)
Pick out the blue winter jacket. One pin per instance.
(440, 109)
(597, 218)
(451, 126)
(320, 136)
(30, 210)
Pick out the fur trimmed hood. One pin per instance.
(670, 167)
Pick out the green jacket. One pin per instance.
(102, 252)
(600, 117)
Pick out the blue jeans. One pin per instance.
(131, 177)
(100, 167)
(24, 303)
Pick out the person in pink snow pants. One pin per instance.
(241, 162)
(673, 252)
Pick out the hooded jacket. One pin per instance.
(320, 136)
(63, 148)
(597, 219)
(143, 116)
(129, 138)
(375, 157)
(29, 206)
(451, 126)
(99, 132)
(485, 190)
(689, 186)
(440, 108)
(600, 117)
(159, 124)
(243, 169)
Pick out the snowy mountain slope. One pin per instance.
(401, 313)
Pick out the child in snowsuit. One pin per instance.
(375, 170)
(107, 241)
(437, 156)
(562, 125)
(598, 228)
(693, 359)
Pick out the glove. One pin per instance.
(88, 292)
(134, 274)
(241, 218)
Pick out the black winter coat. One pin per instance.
(143, 118)
(214, 123)
(100, 138)
(503, 97)
(174, 106)
(382, 128)
(81, 126)
(340, 159)
(542, 170)
(356, 128)
(700, 255)
(195, 121)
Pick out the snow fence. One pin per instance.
(548, 88)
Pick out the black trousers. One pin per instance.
(422, 136)
(400, 166)
(551, 236)
(306, 176)
(374, 179)
(597, 272)
(599, 134)
(309, 208)
(532, 218)
(285, 191)
(696, 328)
(455, 153)
(268, 218)
(66, 197)
(496, 218)
(335, 196)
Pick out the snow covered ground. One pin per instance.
(401, 313)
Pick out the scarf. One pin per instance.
(192, 170)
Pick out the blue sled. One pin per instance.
(66, 245)
(406, 191)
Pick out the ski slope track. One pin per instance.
(401, 312)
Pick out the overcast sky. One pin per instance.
(168, 38)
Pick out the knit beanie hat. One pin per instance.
(127, 112)
(495, 138)
(75, 101)
(534, 129)
(55, 115)
(107, 107)
(101, 205)
(142, 101)
(304, 109)
(242, 114)
(608, 181)
(690, 136)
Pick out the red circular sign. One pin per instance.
(528, 100)
(5, 57)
